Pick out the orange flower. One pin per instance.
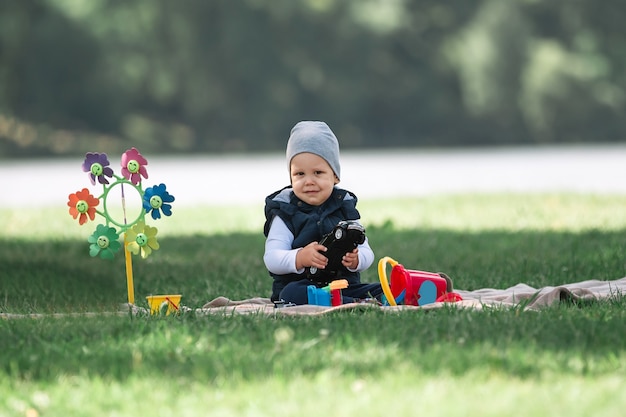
(83, 204)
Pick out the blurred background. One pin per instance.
(224, 76)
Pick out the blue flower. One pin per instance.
(155, 198)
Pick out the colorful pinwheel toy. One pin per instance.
(139, 238)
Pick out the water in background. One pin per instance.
(247, 179)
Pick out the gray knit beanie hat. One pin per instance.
(315, 138)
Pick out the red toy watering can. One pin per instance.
(414, 287)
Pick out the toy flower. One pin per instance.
(155, 198)
(134, 166)
(82, 204)
(142, 239)
(97, 164)
(104, 242)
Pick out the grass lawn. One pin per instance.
(563, 360)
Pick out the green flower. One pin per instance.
(104, 242)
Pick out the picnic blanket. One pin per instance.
(520, 295)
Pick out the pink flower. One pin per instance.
(134, 166)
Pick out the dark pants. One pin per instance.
(296, 292)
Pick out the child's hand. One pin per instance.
(310, 256)
(351, 259)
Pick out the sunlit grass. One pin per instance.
(403, 391)
(511, 212)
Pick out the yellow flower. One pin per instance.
(142, 239)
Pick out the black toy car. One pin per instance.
(344, 238)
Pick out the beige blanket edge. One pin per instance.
(520, 295)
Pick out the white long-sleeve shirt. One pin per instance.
(280, 258)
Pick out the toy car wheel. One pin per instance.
(338, 234)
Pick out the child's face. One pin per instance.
(312, 178)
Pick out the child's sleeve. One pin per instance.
(366, 256)
(279, 257)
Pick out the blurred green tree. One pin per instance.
(236, 75)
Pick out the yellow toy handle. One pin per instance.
(382, 276)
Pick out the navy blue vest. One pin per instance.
(308, 224)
